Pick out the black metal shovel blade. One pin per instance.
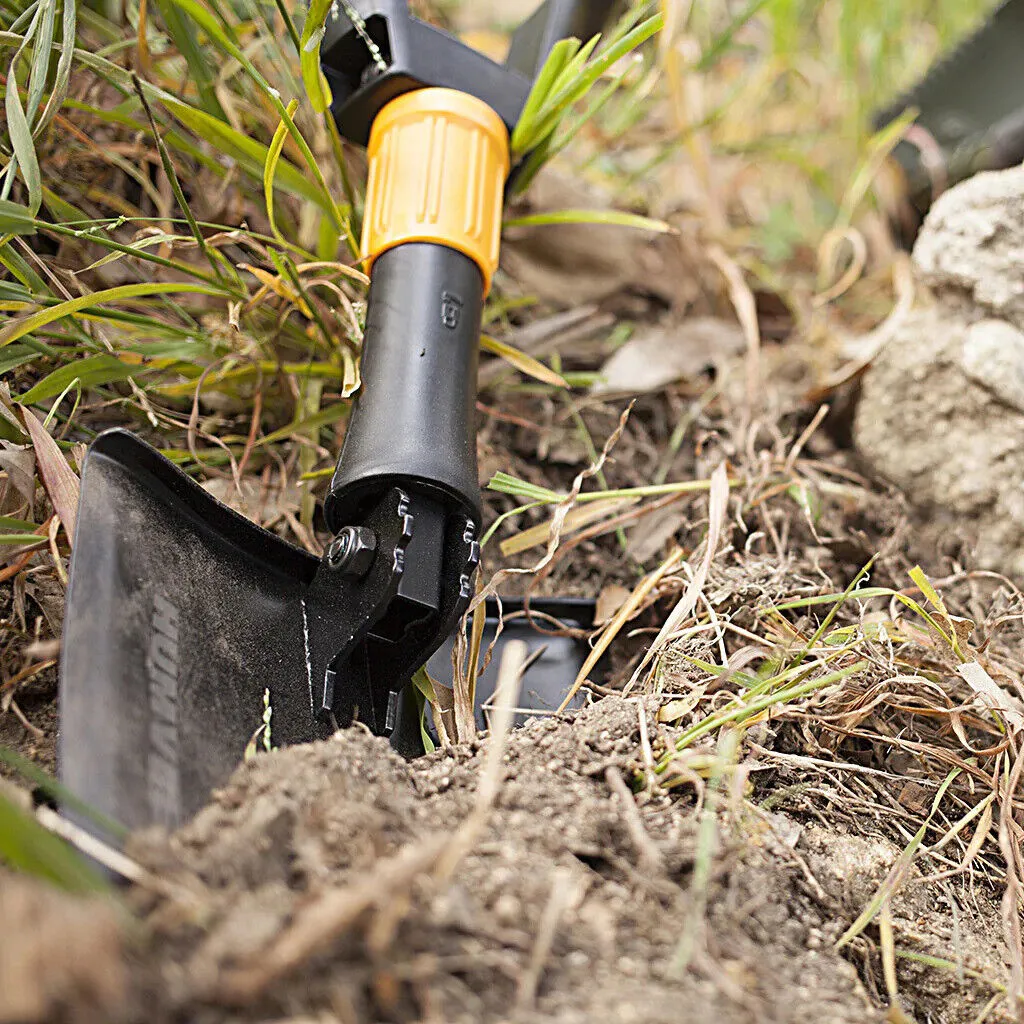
(185, 622)
(181, 617)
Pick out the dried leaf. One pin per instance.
(679, 708)
(992, 693)
(963, 628)
(58, 477)
(20, 466)
(650, 536)
(610, 600)
(658, 356)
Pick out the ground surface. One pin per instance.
(333, 883)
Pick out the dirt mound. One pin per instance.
(323, 880)
(61, 956)
(568, 908)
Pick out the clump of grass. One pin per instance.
(891, 669)
(572, 71)
(192, 310)
(878, 700)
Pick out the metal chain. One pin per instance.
(360, 26)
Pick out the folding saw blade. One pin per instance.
(969, 110)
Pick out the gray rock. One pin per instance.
(941, 412)
(992, 355)
(971, 248)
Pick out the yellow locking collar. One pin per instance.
(439, 160)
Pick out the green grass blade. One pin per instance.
(555, 107)
(503, 483)
(167, 163)
(270, 168)
(60, 793)
(548, 149)
(89, 372)
(16, 219)
(62, 75)
(561, 53)
(777, 698)
(229, 46)
(249, 153)
(309, 55)
(606, 218)
(833, 612)
(863, 594)
(42, 50)
(723, 43)
(15, 356)
(10, 523)
(59, 208)
(22, 144)
(522, 362)
(30, 848)
(23, 271)
(19, 328)
(323, 418)
(183, 35)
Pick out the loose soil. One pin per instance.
(320, 885)
(558, 912)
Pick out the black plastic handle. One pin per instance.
(413, 424)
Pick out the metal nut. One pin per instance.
(352, 551)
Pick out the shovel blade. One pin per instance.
(184, 621)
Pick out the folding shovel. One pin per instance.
(188, 626)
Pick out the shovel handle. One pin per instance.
(413, 425)
(439, 160)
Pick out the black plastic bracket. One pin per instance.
(379, 630)
(417, 55)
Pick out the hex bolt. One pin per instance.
(352, 551)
